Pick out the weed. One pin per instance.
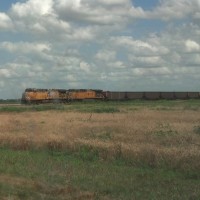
(164, 130)
(88, 153)
(104, 135)
(106, 110)
(40, 175)
(54, 145)
(118, 151)
(196, 129)
(21, 144)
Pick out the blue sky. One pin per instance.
(5, 5)
(120, 45)
(145, 4)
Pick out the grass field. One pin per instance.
(101, 150)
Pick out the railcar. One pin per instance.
(84, 94)
(36, 96)
(114, 95)
(193, 95)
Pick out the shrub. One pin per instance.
(196, 129)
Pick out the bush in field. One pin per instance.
(196, 129)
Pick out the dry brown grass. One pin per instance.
(147, 136)
(61, 192)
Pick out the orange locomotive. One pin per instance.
(31, 95)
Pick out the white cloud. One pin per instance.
(106, 55)
(25, 47)
(5, 73)
(168, 10)
(5, 22)
(139, 47)
(85, 66)
(144, 62)
(192, 46)
(100, 12)
(152, 71)
(38, 28)
(33, 8)
(116, 65)
(114, 2)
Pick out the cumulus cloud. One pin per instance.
(144, 62)
(192, 46)
(5, 22)
(5, 73)
(33, 8)
(168, 10)
(139, 47)
(85, 66)
(25, 47)
(100, 12)
(112, 45)
(106, 55)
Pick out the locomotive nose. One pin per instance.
(25, 98)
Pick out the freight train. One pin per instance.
(31, 96)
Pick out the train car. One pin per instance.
(181, 95)
(112, 95)
(193, 95)
(31, 96)
(167, 95)
(152, 95)
(34, 96)
(84, 94)
(134, 95)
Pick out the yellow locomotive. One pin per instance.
(32, 95)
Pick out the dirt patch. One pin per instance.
(16, 181)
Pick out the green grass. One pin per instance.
(62, 175)
(109, 106)
(85, 174)
(196, 129)
(10, 101)
(9, 108)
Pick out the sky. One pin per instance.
(113, 45)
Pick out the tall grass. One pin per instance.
(113, 153)
(149, 137)
(60, 175)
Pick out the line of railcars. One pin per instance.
(152, 95)
(31, 95)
